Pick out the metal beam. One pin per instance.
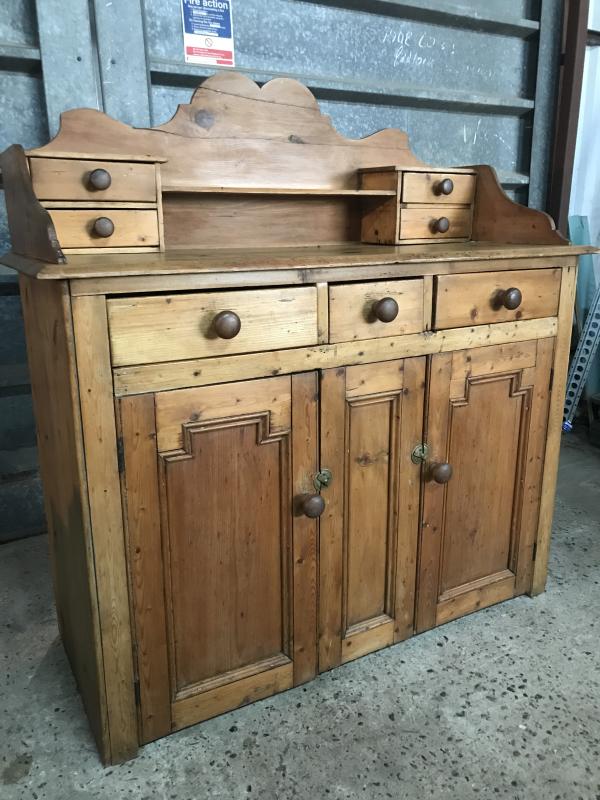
(70, 64)
(442, 13)
(122, 61)
(177, 73)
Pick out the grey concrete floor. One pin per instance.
(502, 704)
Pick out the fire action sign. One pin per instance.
(208, 32)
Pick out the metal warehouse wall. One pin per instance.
(471, 83)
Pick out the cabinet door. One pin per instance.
(371, 419)
(223, 572)
(487, 416)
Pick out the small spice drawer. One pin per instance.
(427, 205)
(106, 227)
(435, 187)
(96, 181)
(483, 298)
(145, 330)
(376, 308)
(434, 222)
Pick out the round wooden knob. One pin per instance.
(227, 324)
(386, 309)
(312, 505)
(99, 179)
(441, 473)
(104, 227)
(444, 187)
(511, 298)
(441, 225)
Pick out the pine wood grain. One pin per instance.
(305, 438)
(145, 562)
(352, 317)
(420, 187)
(376, 411)
(55, 389)
(463, 300)
(67, 179)
(416, 222)
(270, 319)
(305, 264)
(557, 398)
(200, 372)
(32, 231)
(187, 406)
(487, 418)
(133, 227)
(104, 492)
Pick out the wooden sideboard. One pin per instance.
(268, 448)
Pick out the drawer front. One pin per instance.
(353, 309)
(69, 179)
(426, 187)
(175, 327)
(419, 222)
(131, 227)
(478, 299)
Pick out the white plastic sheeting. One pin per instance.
(585, 192)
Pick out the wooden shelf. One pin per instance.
(171, 189)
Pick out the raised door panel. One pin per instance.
(371, 419)
(223, 571)
(486, 418)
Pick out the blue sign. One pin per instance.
(207, 18)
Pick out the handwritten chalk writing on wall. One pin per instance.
(414, 48)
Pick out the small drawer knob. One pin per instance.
(99, 179)
(511, 298)
(312, 505)
(104, 227)
(441, 225)
(227, 324)
(441, 473)
(386, 309)
(444, 187)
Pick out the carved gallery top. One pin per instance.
(255, 168)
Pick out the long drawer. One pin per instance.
(145, 330)
(483, 298)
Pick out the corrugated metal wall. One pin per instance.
(471, 83)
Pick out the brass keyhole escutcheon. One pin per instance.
(420, 453)
(322, 479)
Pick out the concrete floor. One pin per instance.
(502, 704)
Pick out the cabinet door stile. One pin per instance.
(332, 396)
(440, 375)
(146, 566)
(305, 435)
(408, 502)
(532, 480)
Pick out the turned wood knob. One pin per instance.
(227, 324)
(99, 179)
(104, 227)
(312, 505)
(441, 225)
(441, 473)
(386, 309)
(444, 187)
(511, 298)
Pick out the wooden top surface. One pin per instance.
(180, 262)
